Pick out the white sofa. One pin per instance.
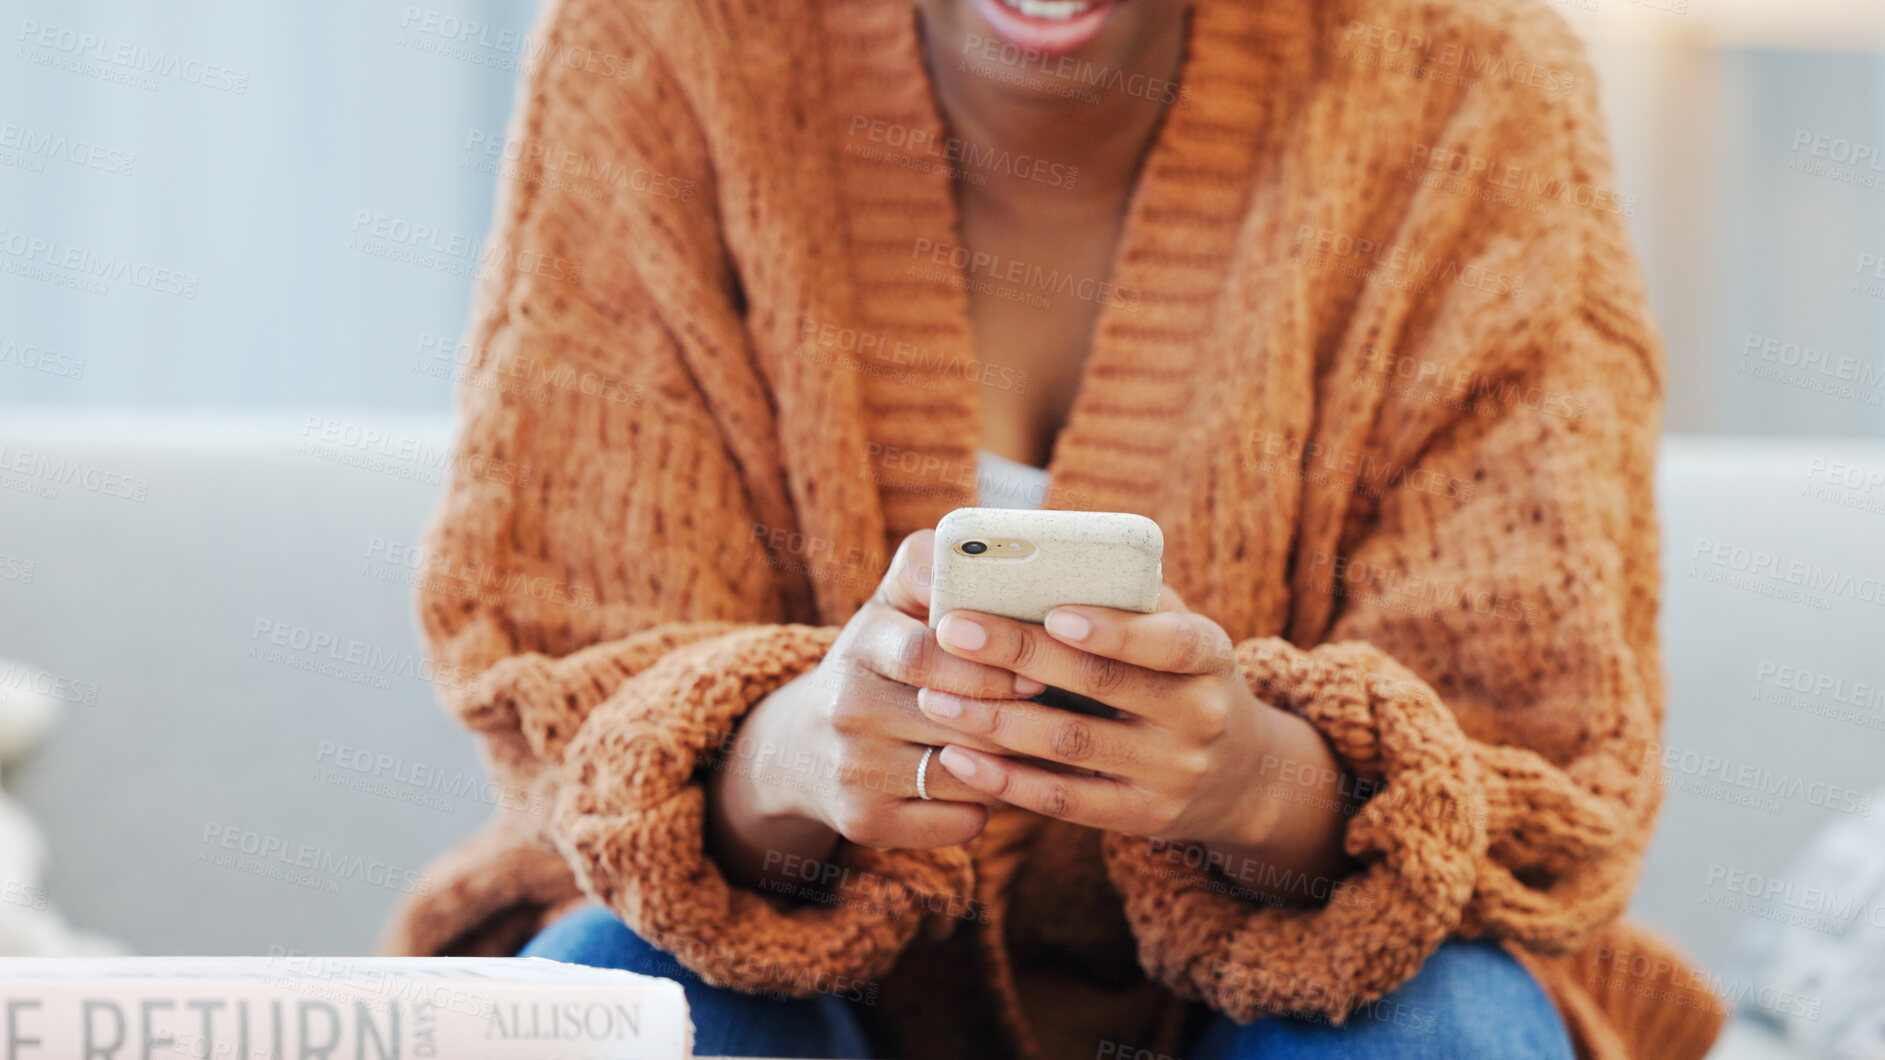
(253, 758)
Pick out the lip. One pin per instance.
(1041, 35)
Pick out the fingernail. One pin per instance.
(962, 633)
(1068, 625)
(956, 762)
(940, 704)
(1027, 686)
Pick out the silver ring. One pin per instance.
(922, 774)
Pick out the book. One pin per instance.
(336, 1008)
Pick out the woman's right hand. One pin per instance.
(834, 753)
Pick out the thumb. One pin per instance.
(1169, 600)
(906, 584)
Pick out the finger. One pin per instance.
(1175, 642)
(942, 785)
(1026, 649)
(1018, 726)
(905, 586)
(876, 706)
(873, 780)
(918, 825)
(904, 650)
(1169, 600)
(1095, 802)
(890, 770)
(867, 705)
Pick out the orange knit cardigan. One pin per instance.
(1375, 355)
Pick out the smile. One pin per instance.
(1051, 10)
(1053, 27)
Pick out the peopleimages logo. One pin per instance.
(15, 569)
(42, 474)
(1843, 367)
(1819, 683)
(1837, 159)
(1472, 391)
(18, 677)
(1323, 465)
(972, 265)
(1828, 910)
(455, 575)
(529, 156)
(1394, 589)
(37, 145)
(1065, 76)
(445, 357)
(126, 62)
(372, 661)
(39, 359)
(915, 148)
(459, 254)
(1528, 183)
(88, 268)
(1754, 567)
(1836, 149)
(871, 348)
(402, 456)
(1821, 694)
(1640, 973)
(502, 47)
(1473, 65)
(1758, 787)
(1396, 265)
(262, 854)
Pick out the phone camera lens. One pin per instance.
(974, 548)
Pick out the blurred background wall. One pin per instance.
(249, 179)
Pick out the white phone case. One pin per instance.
(1109, 559)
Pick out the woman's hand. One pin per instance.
(834, 752)
(1193, 756)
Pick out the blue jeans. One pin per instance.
(726, 1022)
(1469, 1002)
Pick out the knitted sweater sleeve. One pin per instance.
(1492, 585)
(594, 593)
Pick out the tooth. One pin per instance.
(1054, 10)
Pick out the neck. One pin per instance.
(1105, 140)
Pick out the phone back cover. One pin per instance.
(1109, 559)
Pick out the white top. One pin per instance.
(1004, 483)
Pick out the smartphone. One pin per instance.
(1022, 563)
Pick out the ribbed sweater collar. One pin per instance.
(1134, 412)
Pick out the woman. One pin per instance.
(1332, 289)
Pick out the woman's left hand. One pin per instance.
(1179, 762)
